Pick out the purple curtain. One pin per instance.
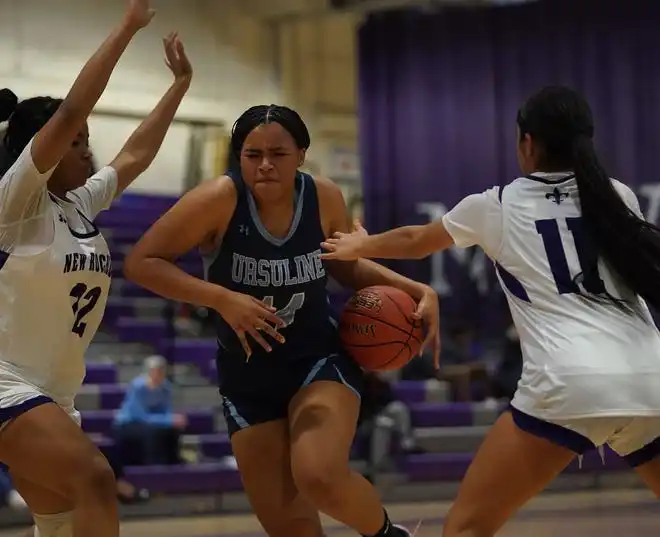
(438, 98)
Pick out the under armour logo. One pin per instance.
(61, 219)
(243, 229)
(556, 196)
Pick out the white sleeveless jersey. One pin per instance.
(54, 282)
(581, 357)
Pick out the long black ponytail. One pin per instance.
(561, 121)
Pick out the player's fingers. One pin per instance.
(337, 235)
(244, 343)
(263, 305)
(266, 312)
(268, 329)
(425, 343)
(259, 339)
(436, 352)
(272, 318)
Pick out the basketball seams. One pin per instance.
(411, 322)
(401, 302)
(378, 320)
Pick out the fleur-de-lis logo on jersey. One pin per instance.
(556, 196)
(61, 219)
(243, 229)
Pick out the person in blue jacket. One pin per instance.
(146, 428)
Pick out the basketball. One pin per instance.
(377, 328)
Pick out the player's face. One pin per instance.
(76, 165)
(270, 159)
(525, 151)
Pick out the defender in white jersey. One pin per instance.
(54, 281)
(578, 264)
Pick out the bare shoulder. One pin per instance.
(331, 205)
(219, 189)
(327, 188)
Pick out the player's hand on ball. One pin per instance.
(345, 246)
(176, 59)
(139, 14)
(428, 310)
(248, 315)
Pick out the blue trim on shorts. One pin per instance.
(648, 453)
(552, 432)
(12, 412)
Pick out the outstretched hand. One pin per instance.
(139, 13)
(176, 59)
(345, 246)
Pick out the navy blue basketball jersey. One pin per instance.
(286, 273)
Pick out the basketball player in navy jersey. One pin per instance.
(291, 396)
(578, 264)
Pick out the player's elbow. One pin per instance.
(418, 242)
(134, 267)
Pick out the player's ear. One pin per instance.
(301, 159)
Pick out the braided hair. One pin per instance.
(25, 119)
(263, 114)
(561, 122)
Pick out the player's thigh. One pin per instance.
(45, 446)
(511, 466)
(322, 421)
(263, 458)
(639, 444)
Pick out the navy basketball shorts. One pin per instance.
(260, 390)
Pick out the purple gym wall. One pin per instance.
(438, 98)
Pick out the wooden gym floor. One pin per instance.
(599, 514)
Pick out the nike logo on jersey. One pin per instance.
(61, 218)
(557, 196)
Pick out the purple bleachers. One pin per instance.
(141, 202)
(441, 414)
(135, 329)
(410, 391)
(101, 374)
(100, 421)
(194, 351)
(197, 478)
(111, 396)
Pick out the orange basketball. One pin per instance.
(377, 328)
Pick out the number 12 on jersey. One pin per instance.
(288, 312)
(556, 253)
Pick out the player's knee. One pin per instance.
(95, 477)
(58, 525)
(320, 481)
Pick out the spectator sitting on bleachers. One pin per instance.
(382, 416)
(458, 365)
(146, 429)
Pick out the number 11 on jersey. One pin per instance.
(556, 254)
(288, 312)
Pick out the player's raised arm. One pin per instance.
(29, 173)
(143, 145)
